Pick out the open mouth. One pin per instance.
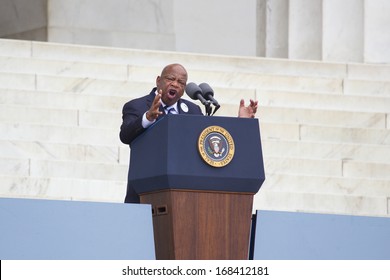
(172, 92)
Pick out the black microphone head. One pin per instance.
(193, 90)
(206, 89)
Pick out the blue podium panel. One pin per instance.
(173, 140)
(33, 229)
(308, 236)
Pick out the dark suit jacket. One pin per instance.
(134, 110)
(132, 124)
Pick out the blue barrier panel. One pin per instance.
(308, 236)
(70, 230)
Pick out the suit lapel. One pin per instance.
(150, 98)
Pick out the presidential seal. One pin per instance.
(216, 146)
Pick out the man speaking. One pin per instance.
(138, 114)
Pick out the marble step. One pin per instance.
(75, 56)
(109, 73)
(310, 184)
(34, 115)
(105, 55)
(62, 135)
(377, 104)
(325, 117)
(322, 203)
(228, 99)
(20, 65)
(326, 150)
(316, 133)
(116, 87)
(279, 158)
(116, 171)
(42, 150)
(345, 135)
(96, 135)
(60, 117)
(367, 88)
(78, 85)
(326, 167)
(234, 79)
(100, 118)
(63, 188)
(63, 169)
(121, 56)
(370, 72)
(64, 100)
(355, 169)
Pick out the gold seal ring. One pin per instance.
(216, 146)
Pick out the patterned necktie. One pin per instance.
(170, 110)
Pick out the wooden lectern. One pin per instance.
(200, 174)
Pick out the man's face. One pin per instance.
(172, 82)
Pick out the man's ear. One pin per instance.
(158, 79)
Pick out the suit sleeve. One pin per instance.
(131, 123)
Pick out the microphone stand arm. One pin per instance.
(208, 108)
(216, 108)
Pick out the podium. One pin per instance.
(200, 174)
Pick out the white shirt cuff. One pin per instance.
(145, 122)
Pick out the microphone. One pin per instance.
(195, 92)
(208, 94)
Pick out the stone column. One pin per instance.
(272, 28)
(377, 31)
(343, 30)
(225, 27)
(305, 29)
